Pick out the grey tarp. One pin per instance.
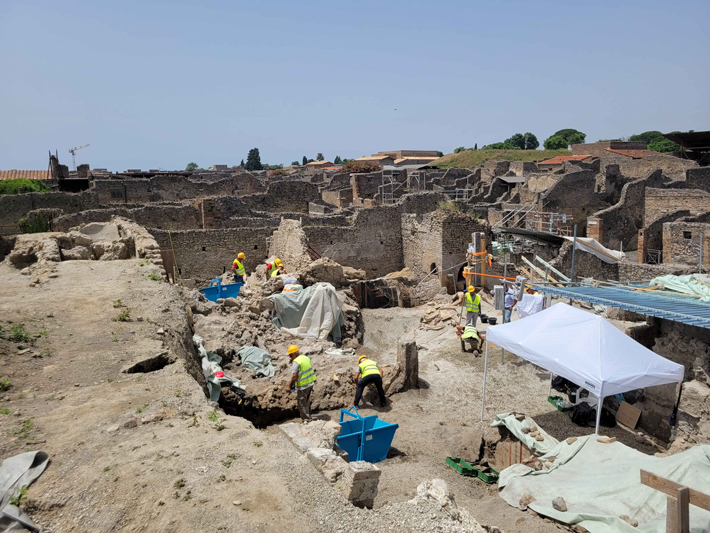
(599, 482)
(315, 312)
(257, 360)
(17, 472)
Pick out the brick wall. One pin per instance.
(339, 198)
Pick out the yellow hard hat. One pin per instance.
(278, 262)
(361, 358)
(241, 255)
(292, 349)
(471, 288)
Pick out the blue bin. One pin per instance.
(365, 438)
(216, 290)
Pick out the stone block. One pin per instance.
(408, 361)
(360, 470)
(78, 252)
(333, 469)
(303, 444)
(471, 447)
(319, 456)
(694, 399)
(291, 430)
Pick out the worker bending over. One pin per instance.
(303, 376)
(274, 269)
(368, 373)
(474, 338)
(238, 269)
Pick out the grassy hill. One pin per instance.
(473, 158)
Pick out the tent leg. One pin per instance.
(599, 414)
(549, 392)
(485, 374)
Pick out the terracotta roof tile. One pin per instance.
(633, 154)
(28, 174)
(562, 158)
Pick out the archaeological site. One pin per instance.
(208, 350)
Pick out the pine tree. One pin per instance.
(253, 160)
(337, 160)
(475, 146)
(242, 164)
(305, 161)
(320, 157)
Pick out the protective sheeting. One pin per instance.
(599, 482)
(211, 369)
(684, 285)
(516, 426)
(257, 360)
(316, 312)
(592, 246)
(585, 349)
(17, 472)
(530, 304)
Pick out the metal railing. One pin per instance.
(654, 257)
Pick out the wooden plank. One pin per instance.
(628, 415)
(666, 486)
(548, 265)
(683, 510)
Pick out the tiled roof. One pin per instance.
(28, 174)
(562, 158)
(633, 154)
(320, 163)
(374, 158)
(414, 158)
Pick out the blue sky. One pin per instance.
(159, 84)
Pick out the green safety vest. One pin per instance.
(241, 271)
(473, 305)
(306, 374)
(470, 332)
(368, 367)
(274, 271)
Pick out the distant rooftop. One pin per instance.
(633, 154)
(558, 160)
(27, 174)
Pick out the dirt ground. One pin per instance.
(147, 452)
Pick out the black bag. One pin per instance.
(565, 386)
(586, 416)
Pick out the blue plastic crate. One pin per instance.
(217, 290)
(365, 438)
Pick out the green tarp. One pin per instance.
(315, 312)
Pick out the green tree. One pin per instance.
(337, 160)
(459, 149)
(439, 154)
(656, 141)
(648, 137)
(320, 157)
(569, 135)
(305, 161)
(294, 163)
(556, 142)
(242, 164)
(666, 145)
(475, 147)
(253, 160)
(531, 142)
(191, 167)
(500, 146)
(517, 140)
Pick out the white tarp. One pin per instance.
(530, 304)
(592, 246)
(599, 482)
(317, 311)
(585, 349)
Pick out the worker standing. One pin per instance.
(473, 306)
(510, 303)
(238, 268)
(303, 376)
(368, 372)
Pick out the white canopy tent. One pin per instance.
(585, 349)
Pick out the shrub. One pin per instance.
(36, 224)
(19, 334)
(13, 186)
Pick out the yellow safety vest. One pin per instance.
(368, 367)
(306, 374)
(470, 332)
(473, 305)
(274, 271)
(241, 271)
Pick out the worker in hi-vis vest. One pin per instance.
(303, 376)
(473, 306)
(368, 373)
(240, 273)
(274, 269)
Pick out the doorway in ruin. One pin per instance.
(376, 294)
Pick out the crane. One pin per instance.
(72, 151)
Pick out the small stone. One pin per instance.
(539, 438)
(161, 331)
(519, 417)
(54, 275)
(559, 504)
(112, 429)
(525, 500)
(526, 430)
(237, 502)
(571, 440)
(77, 384)
(131, 423)
(631, 521)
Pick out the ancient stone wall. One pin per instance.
(422, 242)
(161, 216)
(13, 207)
(673, 167)
(290, 244)
(205, 254)
(698, 178)
(662, 202)
(574, 195)
(292, 196)
(682, 241)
